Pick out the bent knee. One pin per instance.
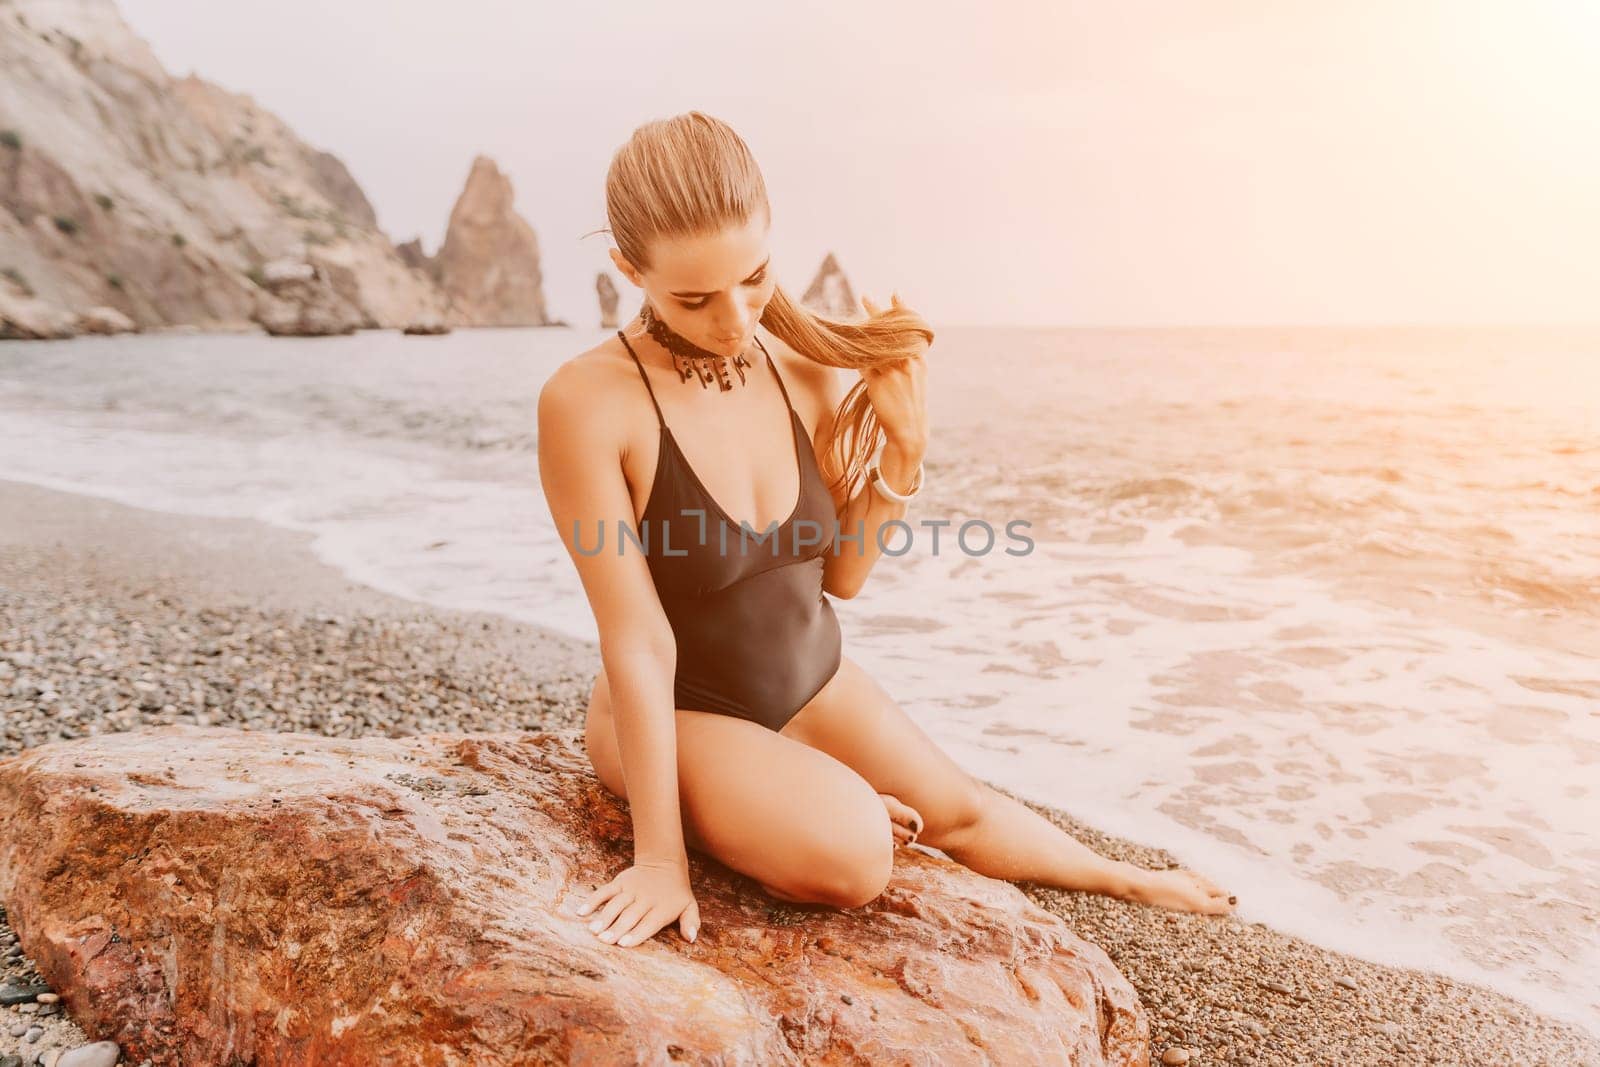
(857, 875)
(863, 884)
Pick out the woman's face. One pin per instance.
(710, 289)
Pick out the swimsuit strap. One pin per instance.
(659, 417)
(774, 365)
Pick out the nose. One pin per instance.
(734, 327)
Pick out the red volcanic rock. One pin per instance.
(209, 895)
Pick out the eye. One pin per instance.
(759, 278)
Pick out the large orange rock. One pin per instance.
(204, 895)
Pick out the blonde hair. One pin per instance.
(691, 175)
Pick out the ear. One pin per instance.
(626, 268)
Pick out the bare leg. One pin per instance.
(855, 721)
(1010, 840)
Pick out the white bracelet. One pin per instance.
(883, 487)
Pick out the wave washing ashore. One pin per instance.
(1315, 609)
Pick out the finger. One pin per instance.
(597, 897)
(609, 912)
(648, 925)
(626, 921)
(689, 922)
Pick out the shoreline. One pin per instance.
(238, 621)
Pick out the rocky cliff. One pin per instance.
(165, 199)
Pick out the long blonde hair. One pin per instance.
(692, 175)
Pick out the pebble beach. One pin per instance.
(113, 618)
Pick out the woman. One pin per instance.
(725, 711)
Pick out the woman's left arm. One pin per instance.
(897, 392)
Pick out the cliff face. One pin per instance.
(489, 262)
(165, 198)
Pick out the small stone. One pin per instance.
(48, 998)
(34, 1033)
(49, 1057)
(18, 1029)
(16, 991)
(10, 1061)
(1175, 1057)
(1275, 986)
(1346, 981)
(98, 1054)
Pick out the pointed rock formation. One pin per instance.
(208, 895)
(489, 262)
(830, 294)
(606, 289)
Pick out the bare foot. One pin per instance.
(905, 820)
(1181, 890)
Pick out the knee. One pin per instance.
(863, 879)
(854, 870)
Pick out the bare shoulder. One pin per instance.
(589, 393)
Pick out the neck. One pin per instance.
(688, 359)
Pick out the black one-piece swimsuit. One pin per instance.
(757, 637)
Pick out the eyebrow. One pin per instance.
(753, 273)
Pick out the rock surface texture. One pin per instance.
(489, 261)
(210, 895)
(304, 304)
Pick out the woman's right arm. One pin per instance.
(580, 468)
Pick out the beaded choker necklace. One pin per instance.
(689, 358)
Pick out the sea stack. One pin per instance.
(606, 289)
(829, 292)
(489, 262)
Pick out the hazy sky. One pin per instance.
(1105, 163)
